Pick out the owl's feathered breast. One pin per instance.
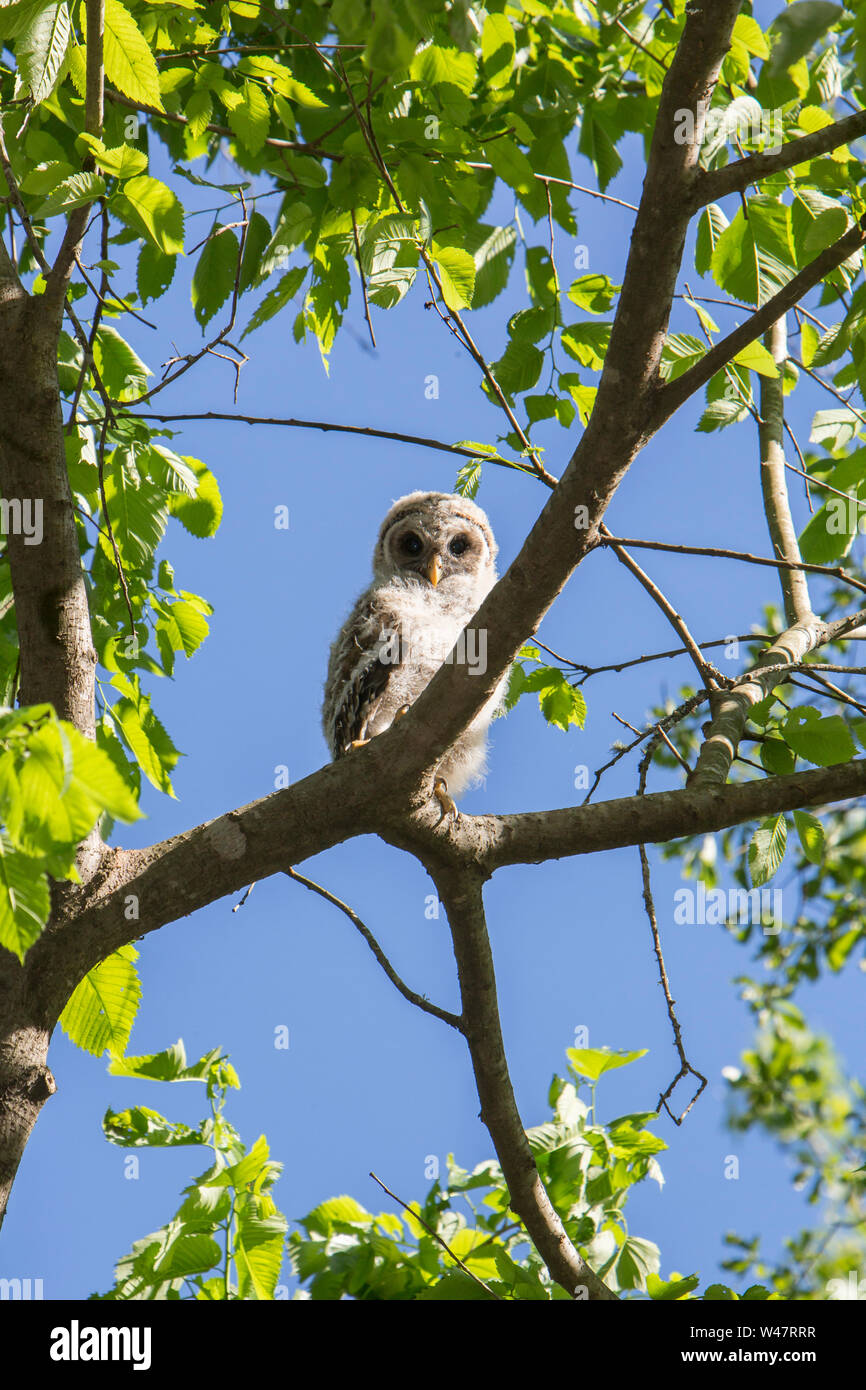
(395, 639)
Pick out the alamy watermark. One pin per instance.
(22, 517)
(397, 647)
(744, 120)
(738, 906)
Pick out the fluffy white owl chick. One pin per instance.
(433, 565)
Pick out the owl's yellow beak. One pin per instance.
(434, 570)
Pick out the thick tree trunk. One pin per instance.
(57, 656)
(57, 660)
(25, 1081)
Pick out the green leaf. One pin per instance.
(121, 369)
(257, 239)
(121, 161)
(637, 1260)
(457, 273)
(839, 950)
(663, 1290)
(153, 211)
(198, 109)
(587, 342)
(102, 1008)
(510, 164)
(154, 273)
(169, 1065)
(40, 51)
(129, 63)
(259, 1252)
(827, 227)
(754, 256)
(251, 118)
(757, 359)
(563, 704)
(594, 293)
(767, 849)
(277, 298)
(141, 1127)
(95, 775)
(777, 757)
(492, 249)
(711, 224)
(389, 48)
(201, 514)
(497, 49)
(436, 64)
(593, 1062)
(389, 256)
(519, 367)
(469, 478)
(215, 273)
(24, 899)
(797, 29)
(73, 192)
(811, 833)
(823, 742)
(147, 740)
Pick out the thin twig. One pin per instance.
(326, 426)
(436, 1236)
(100, 461)
(716, 552)
(453, 1020)
(363, 280)
(464, 334)
(706, 672)
(686, 1067)
(588, 671)
(293, 146)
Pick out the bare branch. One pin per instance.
(788, 650)
(774, 485)
(718, 552)
(453, 1020)
(328, 425)
(704, 670)
(460, 894)
(685, 1065)
(416, 1216)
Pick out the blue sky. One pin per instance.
(367, 1081)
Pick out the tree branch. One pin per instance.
(677, 392)
(720, 553)
(328, 425)
(736, 177)
(94, 107)
(720, 746)
(460, 894)
(272, 141)
(704, 670)
(774, 485)
(536, 836)
(453, 1020)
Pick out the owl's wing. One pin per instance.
(357, 678)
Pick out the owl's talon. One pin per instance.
(404, 709)
(449, 806)
(357, 743)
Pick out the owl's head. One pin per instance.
(440, 539)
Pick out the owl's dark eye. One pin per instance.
(459, 545)
(411, 544)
